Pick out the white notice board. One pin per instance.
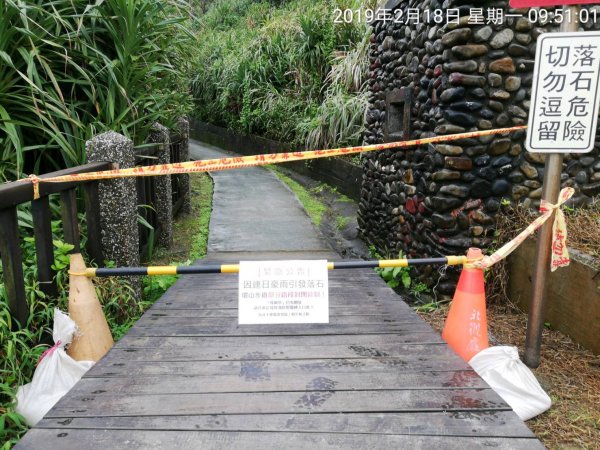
(565, 93)
(273, 292)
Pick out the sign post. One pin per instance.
(562, 119)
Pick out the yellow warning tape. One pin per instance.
(237, 162)
(560, 255)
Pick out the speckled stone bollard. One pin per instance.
(164, 202)
(117, 201)
(183, 125)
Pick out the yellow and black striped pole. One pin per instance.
(235, 268)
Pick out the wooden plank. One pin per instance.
(232, 285)
(381, 353)
(233, 312)
(93, 223)
(228, 299)
(298, 382)
(162, 321)
(282, 330)
(162, 439)
(475, 423)
(360, 284)
(224, 343)
(215, 350)
(188, 376)
(579, 319)
(12, 264)
(44, 250)
(234, 257)
(69, 219)
(206, 294)
(225, 280)
(90, 405)
(266, 368)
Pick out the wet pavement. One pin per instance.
(254, 211)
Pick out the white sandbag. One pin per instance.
(55, 374)
(512, 380)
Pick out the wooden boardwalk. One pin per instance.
(188, 376)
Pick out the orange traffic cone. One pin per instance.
(93, 338)
(466, 326)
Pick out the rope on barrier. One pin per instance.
(238, 162)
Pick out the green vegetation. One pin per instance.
(395, 276)
(283, 70)
(399, 278)
(324, 187)
(20, 349)
(190, 237)
(202, 189)
(314, 208)
(341, 222)
(70, 69)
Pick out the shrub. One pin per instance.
(70, 69)
(288, 72)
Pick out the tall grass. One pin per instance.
(286, 72)
(73, 68)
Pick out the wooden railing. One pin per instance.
(18, 192)
(146, 187)
(146, 198)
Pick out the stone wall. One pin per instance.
(433, 79)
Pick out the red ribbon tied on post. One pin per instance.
(559, 253)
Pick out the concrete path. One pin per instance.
(255, 212)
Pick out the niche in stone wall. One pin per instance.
(397, 123)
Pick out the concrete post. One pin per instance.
(164, 202)
(183, 127)
(117, 202)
